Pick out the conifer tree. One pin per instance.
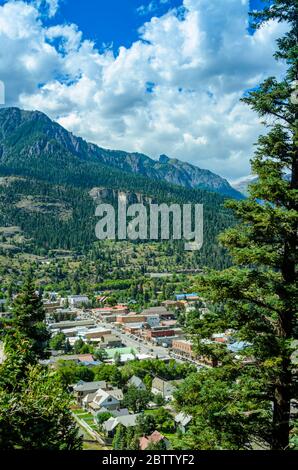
(28, 318)
(243, 403)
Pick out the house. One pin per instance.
(95, 333)
(78, 300)
(164, 388)
(109, 399)
(81, 389)
(189, 297)
(155, 311)
(157, 334)
(110, 341)
(114, 413)
(63, 325)
(182, 421)
(130, 318)
(154, 438)
(152, 320)
(78, 358)
(110, 426)
(132, 357)
(184, 348)
(121, 412)
(136, 382)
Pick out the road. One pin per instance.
(139, 344)
(144, 347)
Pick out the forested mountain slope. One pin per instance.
(27, 139)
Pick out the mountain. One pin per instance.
(50, 183)
(243, 184)
(26, 137)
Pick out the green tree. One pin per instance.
(145, 424)
(102, 418)
(164, 420)
(28, 318)
(69, 373)
(117, 358)
(259, 293)
(116, 378)
(161, 445)
(100, 355)
(148, 381)
(159, 399)
(136, 400)
(119, 441)
(105, 372)
(34, 408)
(80, 347)
(58, 342)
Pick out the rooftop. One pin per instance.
(89, 386)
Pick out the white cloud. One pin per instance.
(151, 7)
(175, 91)
(51, 6)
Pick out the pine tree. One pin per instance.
(119, 440)
(28, 318)
(258, 295)
(34, 407)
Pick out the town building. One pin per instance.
(154, 438)
(183, 421)
(190, 297)
(161, 311)
(72, 324)
(130, 318)
(51, 307)
(183, 347)
(95, 333)
(82, 389)
(110, 341)
(78, 300)
(110, 426)
(103, 312)
(136, 382)
(164, 388)
(108, 399)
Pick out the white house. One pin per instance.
(109, 399)
(111, 424)
(78, 300)
(164, 388)
(182, 421)
(136, 382)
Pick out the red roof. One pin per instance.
(145, 441)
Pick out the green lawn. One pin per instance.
(84, 416)
(151, 412)
(77, 412)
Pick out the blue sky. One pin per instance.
(114, 22)
(153, 76)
